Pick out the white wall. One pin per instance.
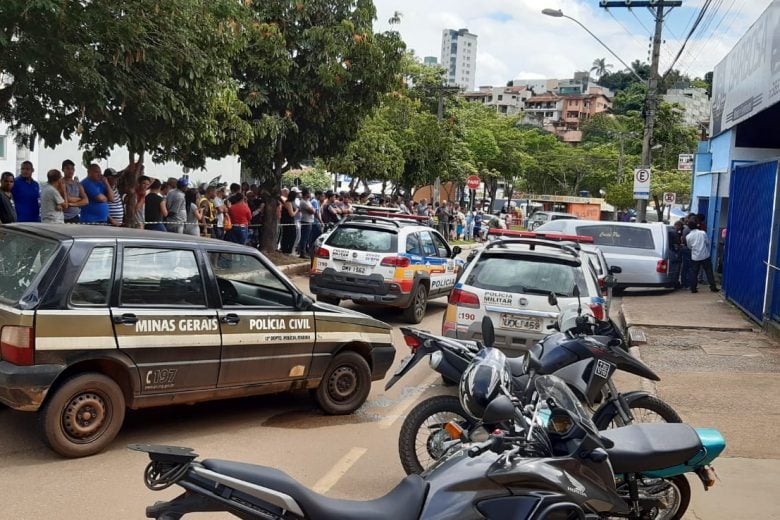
(45, 159)
(8, 158)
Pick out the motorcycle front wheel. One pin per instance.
(646, 409)
(422, 438)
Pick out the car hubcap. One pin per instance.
(84, 416)
(420, 304)
(343, 383)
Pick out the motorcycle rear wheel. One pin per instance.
(679, 497)
(423, 433)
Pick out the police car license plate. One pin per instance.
(353, 268)
(510, 321)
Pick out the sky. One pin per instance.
(515, 41)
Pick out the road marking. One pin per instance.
(401, 408)
(338, 470)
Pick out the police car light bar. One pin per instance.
(387, 214)
(540, 236)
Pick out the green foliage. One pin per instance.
(316, 178)
(150, 75)
(600, 67)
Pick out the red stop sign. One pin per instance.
(472, 182)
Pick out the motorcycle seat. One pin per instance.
(405, 501)
(515, 365)
(648, 447)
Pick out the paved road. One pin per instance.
(350, 457)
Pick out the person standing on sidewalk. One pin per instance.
(76, 195)
(53, 201)
(99, 193)
(27, 194)
(116, 208)
(177, 206)
(699, 244)
(306, 211)
(7, 208)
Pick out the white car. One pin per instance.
(510, 280)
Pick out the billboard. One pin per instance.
(747, 80)
(685, 162)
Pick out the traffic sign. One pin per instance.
(472, 182)
(642, 183)
(685, 162)
(669, 198)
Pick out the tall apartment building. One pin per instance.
(459, 57)
(430, 60)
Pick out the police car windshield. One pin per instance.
(22, 257)
(526, 274)
(363, 239)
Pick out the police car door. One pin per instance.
(264, 337)
(442, 267)
(162, 320)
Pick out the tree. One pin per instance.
(664, 181)
(310, 74)
(316, 178)
(600, 67)
(149, 75)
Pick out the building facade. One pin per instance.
(694, 100)
(506, 100)
(459, 57)
(563, 114)
(431, 60)
(735, 182)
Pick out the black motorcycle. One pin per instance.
(586, 362)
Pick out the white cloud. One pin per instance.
(515, 38)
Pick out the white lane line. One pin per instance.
(401, 408)
(338, 470)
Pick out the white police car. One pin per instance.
(510, 279)
(385, 259)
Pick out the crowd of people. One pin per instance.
(690, 261)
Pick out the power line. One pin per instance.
(695, 51)
(699, 18)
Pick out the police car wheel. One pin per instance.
(416, 311)
(328, 299)
(345, 384)
(83, 416)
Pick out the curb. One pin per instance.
(294, 269)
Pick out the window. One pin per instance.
(22, 258)
(161, 277)
(94, 282)
(441, 246)
(428, 247)
(244, 281)
(413, 245)
(619, 236)
(526, 275)
(2, 147)
(363, 239)
(500, 97)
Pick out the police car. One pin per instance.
(509, 280)
(94, 320)
(385, 259)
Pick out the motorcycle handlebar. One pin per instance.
(481, 447)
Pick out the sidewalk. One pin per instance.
(717, 370)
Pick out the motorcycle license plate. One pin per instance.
(510, 321)
(353, 268)
(404, 363)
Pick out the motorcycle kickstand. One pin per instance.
(633, 495)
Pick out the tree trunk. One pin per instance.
(659, 208)
(269, 237)
(384, 187)
(128, 182)
(509, 193)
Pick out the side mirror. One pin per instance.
(552, 299)
(488, 332)
(456, 250)
(499, 410)
(301, 302)
(615, 269)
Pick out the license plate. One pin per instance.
(404, 363)
(352, 268)
(510, 321)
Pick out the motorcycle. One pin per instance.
(585, 361)
(550, 462)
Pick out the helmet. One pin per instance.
(483, 380)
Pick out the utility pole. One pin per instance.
(657, 7)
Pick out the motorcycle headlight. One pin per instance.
(560, 424)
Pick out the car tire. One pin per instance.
(94, 399)
(415, 312)
(345, 385)
(332, 300)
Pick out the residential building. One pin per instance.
(694, 100)
(459, 57)
(506, 100)
(563, 114)
(431, 60)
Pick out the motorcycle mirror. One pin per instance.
(576, 292)
(552, 299)
(488, 332)
(499, 410)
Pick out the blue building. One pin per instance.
(735, 181)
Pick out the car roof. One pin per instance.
(550, 249)
(62, 232)
(555, 213)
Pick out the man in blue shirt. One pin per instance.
(99, 193)
(27, 194)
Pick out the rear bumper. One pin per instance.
(360, 289)
(25, 388)
(511, 344)
(381, 360)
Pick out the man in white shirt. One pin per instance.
(699, 244)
